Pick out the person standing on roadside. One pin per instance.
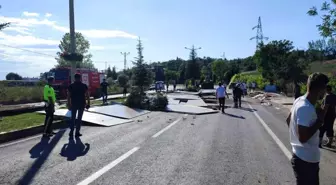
(49, 98)
(78, 100)
(220, 95)
(304, 122)
(329, 103)
(103, 87)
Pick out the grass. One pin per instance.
(99, 102)
(25, 94)
(21, 121)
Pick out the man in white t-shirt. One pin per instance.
(220, 95)
(304, 122)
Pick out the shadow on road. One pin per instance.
(248, 109)
(74, 148)
(38, 149)
(235, 116)
(41, 152)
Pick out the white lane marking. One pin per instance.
(108, 167)
(24, 140)
(271, 133)
(166, 128)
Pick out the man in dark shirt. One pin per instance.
(329, 103)
(78, 100)
(104, 86)
(237, 94)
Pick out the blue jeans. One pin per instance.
(79, 112)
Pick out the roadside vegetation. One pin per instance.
(21, 121)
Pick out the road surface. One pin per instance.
(164, 148)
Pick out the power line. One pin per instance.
(27, 50)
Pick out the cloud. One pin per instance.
(48, 15)
(23, 23)
(21, 30)
(26, 52)
(25, 40)
(30, 14)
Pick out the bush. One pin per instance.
(208, 85)
(18, 95)
(135, 99)
(157, 102)
(249, 78)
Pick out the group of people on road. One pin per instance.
(239, 90)
(308, 121)
(78, 99)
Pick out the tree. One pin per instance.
(192, 67)
(219, 68)
(142, 76)
(123, 80)
(114, 73)
(82, 47)
(278, 61)
(182, 71)
(170, 75)
(328, 26)
(322, 49)
(109, 72)
(3, 25)
(13, 76)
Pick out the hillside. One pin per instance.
(324, 67)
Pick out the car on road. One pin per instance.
(159, 83)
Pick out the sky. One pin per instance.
(166, 27)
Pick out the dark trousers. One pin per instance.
(221, 103)
(237, 101)
(104, 96)
(78, 122)
(328, 127)
(306, 173)
(50, 109)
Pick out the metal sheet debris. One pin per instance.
(189, 109)
(119, 111)
(93, 118)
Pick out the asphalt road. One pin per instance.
(164, 148)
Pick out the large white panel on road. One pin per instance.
(119, 111)
(189, 109)
(94, 118)
(199, 103)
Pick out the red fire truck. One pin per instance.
(91, 77)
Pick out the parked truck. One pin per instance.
(91, 77)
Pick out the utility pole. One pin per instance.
(260, 36)
(72, 37)
(125, 58)
(105, 67)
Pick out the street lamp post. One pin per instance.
(72, 37)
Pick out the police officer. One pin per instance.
(49, 99)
